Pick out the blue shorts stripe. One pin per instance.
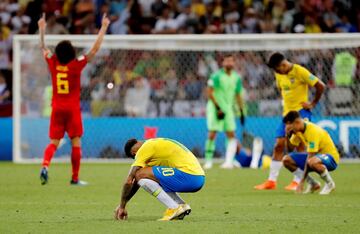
(328, 161)
(173, 180)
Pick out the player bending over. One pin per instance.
(163, 167)
(293, 82)
(65, 71)
(321, 156)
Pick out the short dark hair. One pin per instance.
(291, 116)
(227, 55)
(127, 148)
(65, 52)
(275, 60)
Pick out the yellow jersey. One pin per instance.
(169, 153)
(317, 140)
(294, 87)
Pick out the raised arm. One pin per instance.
(42, 28)
(95, 48)
(129, 189)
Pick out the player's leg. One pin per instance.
(244, 157)
(209, 149)
(230, 127)
(275, 165)
(48, 155)
(56, 132)
(74, 129)
(214, 125)
(230, 150)
(76, 161)
(322, 164)
(146, 179)
(295, 163)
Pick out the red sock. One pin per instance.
(75, 161)
(48, 154)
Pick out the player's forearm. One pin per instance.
(320, 88)
(240, 102)
(210, 94)
(95, 48)
(42, 39)
(128, 192)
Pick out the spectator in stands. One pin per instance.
(198, 7)
(137, 98)
(5, 46)
(267, 25)
(345, 26)
(250, 22)
(330, 18)
(4, 90)
(53, 27)
(83, 17)
(144, 64)
(186, 20)
(19, 22)
(166, 24)
(193, 87)
(232, 18)
(311, 26)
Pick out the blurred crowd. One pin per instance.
(159, 73)
(182, 16)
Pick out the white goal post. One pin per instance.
(190, 59)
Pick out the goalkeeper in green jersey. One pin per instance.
(224, 87)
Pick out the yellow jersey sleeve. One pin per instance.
(295, 140)
(306, 76)
(143, 155)
(313, 137)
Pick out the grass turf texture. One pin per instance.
(227, 203)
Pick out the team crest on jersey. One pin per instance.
(292, 80)
(311, 145)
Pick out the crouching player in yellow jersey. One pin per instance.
(321, 156)
(163, 167)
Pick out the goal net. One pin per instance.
(154, 86)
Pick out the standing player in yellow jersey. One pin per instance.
(321, 156)
(162, 168)
(293, 82)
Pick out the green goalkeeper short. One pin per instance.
(227, 124)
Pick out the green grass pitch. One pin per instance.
(227, 203)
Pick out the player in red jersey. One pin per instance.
(65, 71)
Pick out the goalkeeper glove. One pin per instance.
(219, 113)
(242, 118)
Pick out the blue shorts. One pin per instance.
(174, 180)
(326, 159)
(243, 158)
(280, 131)
(299, 158)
